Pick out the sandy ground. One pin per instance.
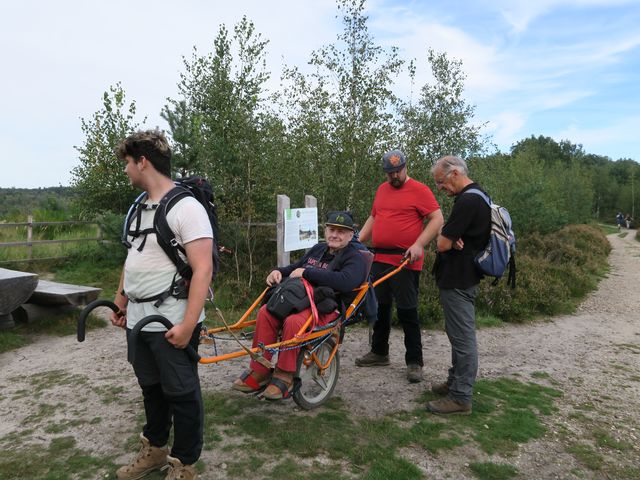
(593, 356)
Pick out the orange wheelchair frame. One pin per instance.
(318, 361)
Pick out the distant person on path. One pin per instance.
(628, 220)
(620, 220)
(465, 233)
(166, 374)
(404, 218)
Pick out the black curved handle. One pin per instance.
(133, 337)
(82, 320)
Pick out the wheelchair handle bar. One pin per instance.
(133, 337)
(82, 320)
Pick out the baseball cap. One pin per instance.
(393, 161)
(340, 219)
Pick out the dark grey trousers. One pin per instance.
(460, 324)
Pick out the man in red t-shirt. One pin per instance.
(397, 227)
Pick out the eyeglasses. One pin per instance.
(440, 183)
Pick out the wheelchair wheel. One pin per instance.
(315, 386)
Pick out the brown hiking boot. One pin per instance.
(448, 405)
(414, 373)
(178, 471)
(441, 389)
(149, 458)
(372, 360)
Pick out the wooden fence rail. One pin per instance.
(283, 257)
(30, 224)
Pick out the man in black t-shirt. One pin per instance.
(463, 235)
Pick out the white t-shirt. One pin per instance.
(150, 272)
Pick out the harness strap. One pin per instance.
(144, 232)
(314, 309)
(178, 289)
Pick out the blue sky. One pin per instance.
(568, 69)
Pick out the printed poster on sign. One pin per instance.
(300, 228)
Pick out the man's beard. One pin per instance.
(396, 182)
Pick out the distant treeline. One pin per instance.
(17, 203)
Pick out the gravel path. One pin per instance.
(593, 356)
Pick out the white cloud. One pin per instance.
(519, 14)
(623, 132)
(421, 30)
(506, 128)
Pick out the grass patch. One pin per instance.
(109, 393)
(608, 229)
(60, 459)
(59, 427)
(623, 234)
(493, 471)
(587, 456)
(58, 322)
(10, 340)
(332, 443)
(544, 375)
(585, 407)
(44, 411)
(486, 320)
(43, 381)
(604, 440)
(625, 473)
(631, 347)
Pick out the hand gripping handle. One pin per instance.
(133, 337)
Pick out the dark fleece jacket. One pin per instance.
(349, 272)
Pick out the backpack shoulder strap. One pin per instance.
(165, 236)
(134, 213)
(479, 192)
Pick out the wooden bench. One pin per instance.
(21, 289)
(55, 294)
(15, 289)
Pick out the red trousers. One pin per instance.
(267, 328)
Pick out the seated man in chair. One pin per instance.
(336, 264)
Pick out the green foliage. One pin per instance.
(555, 271)
(17, 203)
(99, 179)
(547, 150)
(540, 197)
(220, 128)
(547, 185)
(439, 123)
(340, 116)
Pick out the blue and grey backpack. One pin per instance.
(500, 251)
